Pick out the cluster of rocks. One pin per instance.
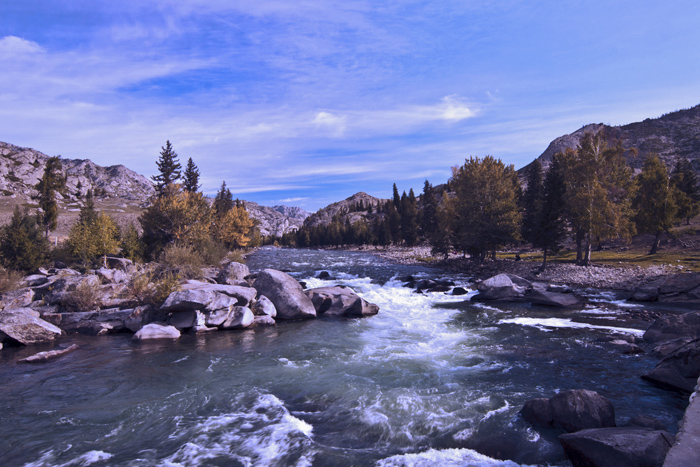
(432, 285)
(512, 288)
(592, 438)
(231, 298)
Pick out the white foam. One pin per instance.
(445, 458)
(49, 459)
(545, 323)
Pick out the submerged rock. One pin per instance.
(572, 410)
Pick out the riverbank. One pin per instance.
(628, 278)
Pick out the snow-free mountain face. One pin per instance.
(676, 134)
(277, 220)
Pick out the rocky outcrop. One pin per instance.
(674, 288)
(233, 274)
(670, 327)
(512, 288)
(277, 220)
(672, 135)
(685, 451)
(350, 210)
(619, 447)
(680, 369)
(340, 301)
(22, 325)
(286, 294)
(572, 410)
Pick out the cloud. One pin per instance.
(292, 200)
(13, 45)
(454, 109)
(334, 123)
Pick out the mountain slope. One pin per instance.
(277, 220)
(674, 134)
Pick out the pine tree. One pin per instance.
(51, 181)
(532, 203)
(191, 177)
(87, 211)
(441, 237)
(223, 202)
(654, 204)
(685, 181)
(22, 245)
(486, 206)
(409, 218)
(551, 221)
(169, 168)
(396, 198)
(429, 212)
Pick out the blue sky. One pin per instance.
(307, 102)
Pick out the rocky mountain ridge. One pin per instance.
(346, 208)
(276, 220)
(671, 135)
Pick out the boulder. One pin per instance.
(113, 276)
(91, 323)
(667, 348)
(579, 409)
(619, 447)
(244, 294)
(286, 294)
(503, 287)
(22, 326)
(36, 279)
(537, 412)
(119, 263)
(43, 357)
(233, 274)
(188, 300)
(670, 378)
(547, 298)
(20, 298)
(572, 410)
(184, 319)
(217, 317)
(626, 347)
(239, 317)
(324, 275)
(645, 421)
(140, 316)
(340, 301)
(669, 327)
(264, 320)
(459, 291)
(646, 294)
(156, 331)
(680, 369)
(263, 306)
(679, 283)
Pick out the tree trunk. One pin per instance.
(544, 259)
(655, 245)
(579, 246)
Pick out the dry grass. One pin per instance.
(85, 297)
(9, 280)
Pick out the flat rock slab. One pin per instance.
(685, 451)
(619, 447)
(156, 331)
(22, 326)
(43, 357)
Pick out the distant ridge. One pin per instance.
(673, 134)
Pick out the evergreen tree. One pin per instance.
(396, 198)
(429, 212)
(486, 208)
(654, 203)
(22, 245)
(409, 218)
(169, 168)
(132, 247)
(223, 202)
(393, 220)
(51, 181)
(441, 237)
(685, 182)
(532, 203)
(191, 177)
(551, 220)
(87, 211)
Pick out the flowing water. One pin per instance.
(426, 382)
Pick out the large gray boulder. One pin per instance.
(680, 369)
(22, 326)
(572, 410)
(19, 298)
(156, 331)
(669, 327)
(340, 301)
(503, 287)
(545, 297)
(244, 294)
(233, 274)
(619, 447)
(286, 294)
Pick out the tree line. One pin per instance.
(589, 194)
(179, 215)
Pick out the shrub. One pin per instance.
(85, 297)
(148, 288)
(9, 280)
(182, 260)
(132, 246)
(212, 252)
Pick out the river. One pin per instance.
(423, 383)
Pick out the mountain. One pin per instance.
(22, 168)
(671, 135)
(348, 208)
(276, 220)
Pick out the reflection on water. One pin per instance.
(425, 382)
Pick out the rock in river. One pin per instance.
(286, 294)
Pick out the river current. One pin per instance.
(428, 381)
